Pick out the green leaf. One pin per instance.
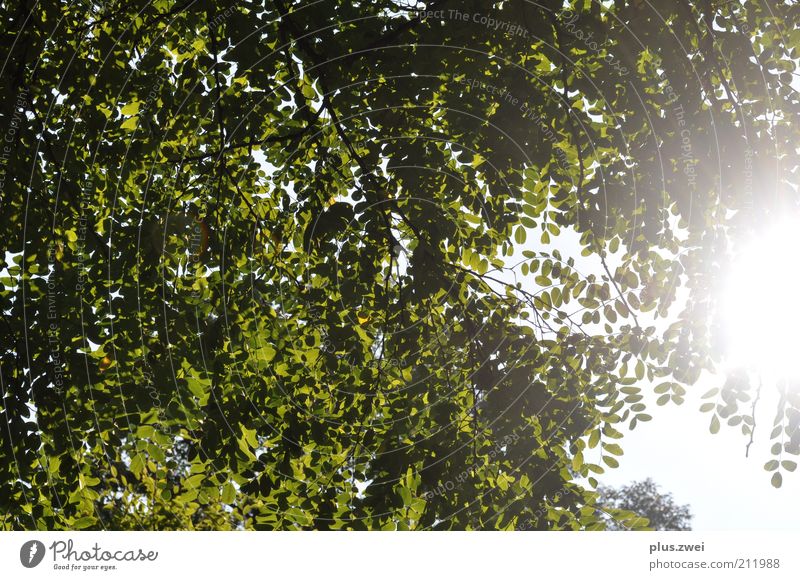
(194, 481)
(137, 464)
(198, 386)
(610, 461)
(131, 108)
(83, 523)
(594, 438)
(250, 437)
(130, 124)
(228, 493)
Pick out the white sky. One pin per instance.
(708, 471)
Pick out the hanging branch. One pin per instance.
(753, 415)
(327, 105)
(103, 247)
(565, 95)
(619, 291)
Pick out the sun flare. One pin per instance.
(761, 303)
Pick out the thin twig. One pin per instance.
(753, 414)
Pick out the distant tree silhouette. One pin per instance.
(644, 499)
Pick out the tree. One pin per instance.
(301, 265)
(642, 498)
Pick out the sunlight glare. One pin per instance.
(761, 312)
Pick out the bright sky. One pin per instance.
(725, 489)
(710, 472)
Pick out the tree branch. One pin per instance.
(753, 414)
(619, 291)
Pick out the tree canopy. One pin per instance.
(644, 499)
(368, 265)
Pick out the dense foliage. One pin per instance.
(366, 265)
